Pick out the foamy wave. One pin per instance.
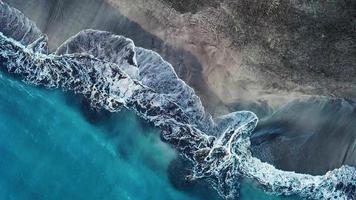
(112, 73)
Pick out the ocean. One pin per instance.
(50, 150)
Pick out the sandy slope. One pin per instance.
(237, 55)
(260, 51)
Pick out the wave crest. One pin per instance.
(112, 73)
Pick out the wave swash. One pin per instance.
(112, 73)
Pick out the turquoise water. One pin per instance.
(48, 150)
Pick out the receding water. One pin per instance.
(48, 150)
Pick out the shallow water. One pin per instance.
(48, 150)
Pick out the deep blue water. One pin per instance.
(48, 150)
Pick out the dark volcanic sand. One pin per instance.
(61, 19)
(312, 136)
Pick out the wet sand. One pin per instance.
(309, 136)
(228, 78)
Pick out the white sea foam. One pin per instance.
(112, 73)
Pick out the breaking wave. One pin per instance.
(112, 73)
